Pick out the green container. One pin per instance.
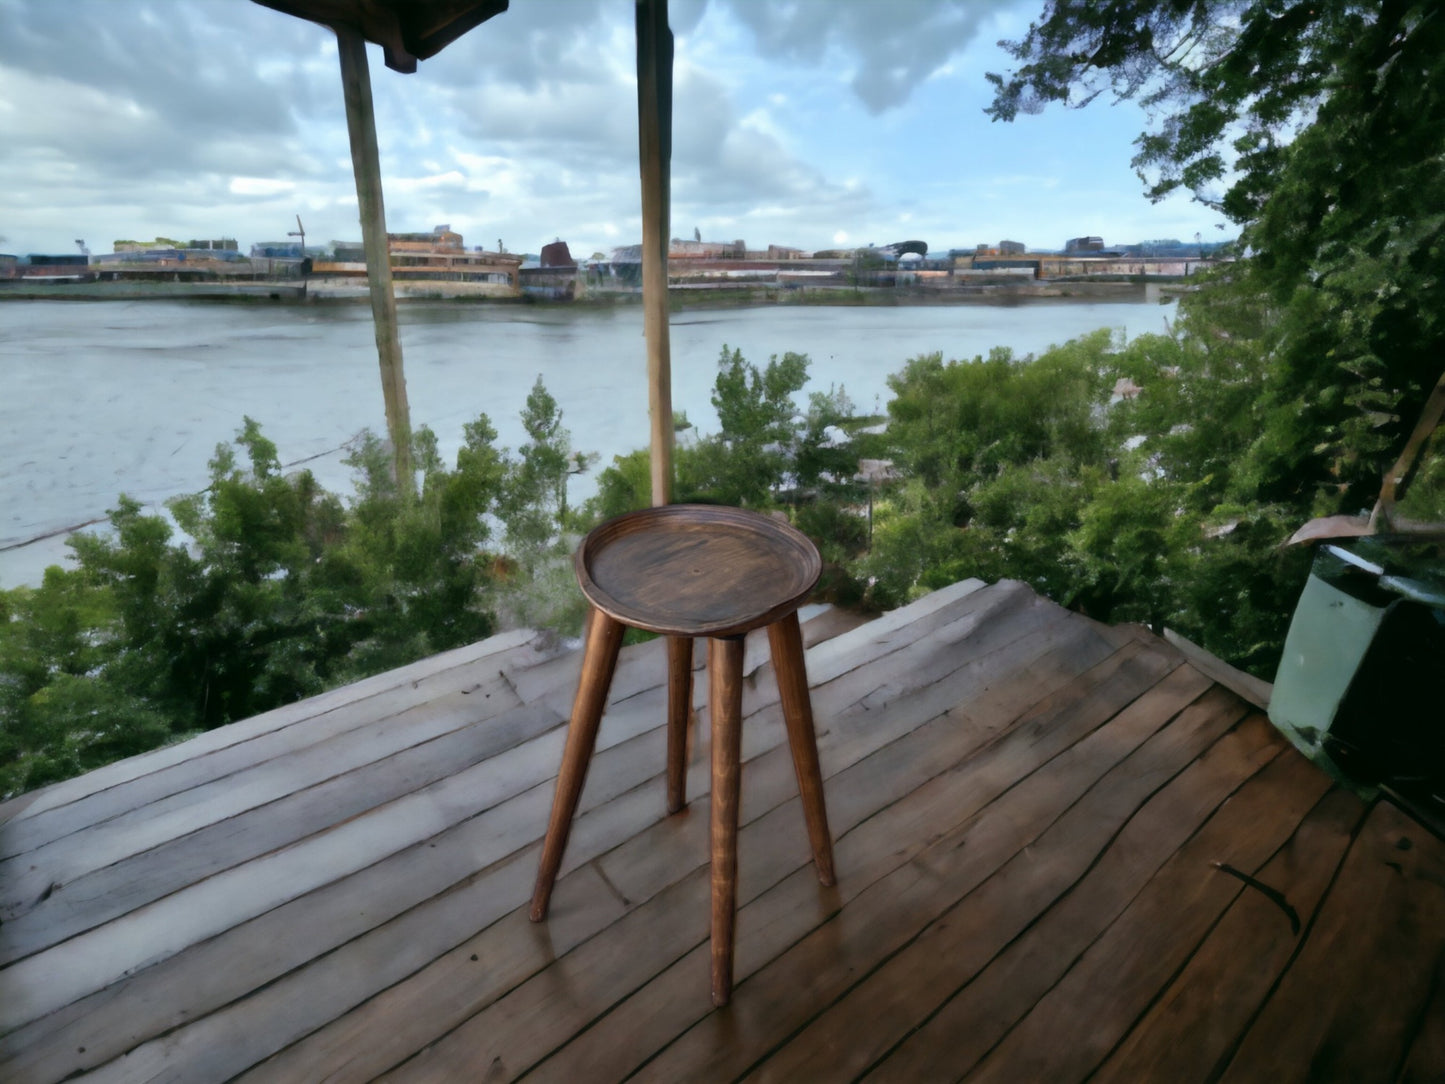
(1334, 623)
(1358, 686)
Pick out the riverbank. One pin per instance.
(681, 298)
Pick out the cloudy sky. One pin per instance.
(813, 123)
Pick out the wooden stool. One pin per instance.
(688, 571)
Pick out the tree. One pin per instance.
(753, 453)
(534, 501)
(1319, 128)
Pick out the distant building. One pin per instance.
(277, 250)
(1011, 248)
(684, 250)
(1080, 246)
(438, 256)
(62, 267)
(557, 254)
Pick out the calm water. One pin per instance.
(101, 398)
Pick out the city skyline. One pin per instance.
(808, 125)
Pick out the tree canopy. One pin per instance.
(1320, 129)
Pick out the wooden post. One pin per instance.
(654, 137)
(366, 164)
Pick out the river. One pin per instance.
(106, 397)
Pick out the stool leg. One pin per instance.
(786, 640)
(599, 659)
(725, 700)
(679, 707)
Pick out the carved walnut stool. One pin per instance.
(687, 571)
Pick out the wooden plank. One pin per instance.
(1248, 687)
(117, 889)
(254, 955)
(1348, 1007)
(44, 873)
(873, 863)
(835, 621)
(390, 1026)
(1189, 1033)
(992, 994)
(26, 806)
(1070, 1030)
(228, 749)
(833, 658)
(185, 988)
(914, 742)
(53, 978)
(898, 628)
(245, 1033)
(1425, 1061)
(881, 1010)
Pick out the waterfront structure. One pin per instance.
(554, 275)
(419, 261)
(278, 250)
(679, 249)
(54, 268)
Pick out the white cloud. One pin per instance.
(259, 186)
(793, 123)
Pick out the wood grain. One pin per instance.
(1188, 1034)
(696, 569)
(725, 697)
(1121, 972)
(1145, 742)
(541, 1014)
(1350, 1004)
(679, 714)
(604, 640)
(217, 753)
(884, 890)
(786, 641)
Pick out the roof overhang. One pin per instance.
(406, 30)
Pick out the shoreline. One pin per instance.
(680, 298)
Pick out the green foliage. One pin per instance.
(1120, 506)
(767, 452)
(1327, 122)
(534, 493)
(279, 590)
(749, 459)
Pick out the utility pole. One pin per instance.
(300, 231)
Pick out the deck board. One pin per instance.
(1030, 812)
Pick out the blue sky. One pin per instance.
(815, 123)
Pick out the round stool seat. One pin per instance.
(696, 569)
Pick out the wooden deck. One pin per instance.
(1063, 853)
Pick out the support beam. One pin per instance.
(654, 134)
(366, 163)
